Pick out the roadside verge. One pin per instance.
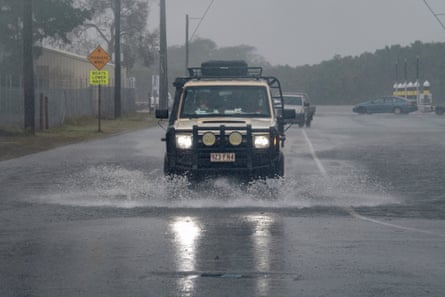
(15, 144)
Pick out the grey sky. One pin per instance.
(298, 32)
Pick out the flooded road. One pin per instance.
(360, 213)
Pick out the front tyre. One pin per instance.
(168, 170)
(279, 167)
(397, 110)
(362, 110)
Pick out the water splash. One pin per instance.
(114, 186)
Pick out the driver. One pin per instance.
(202, 103)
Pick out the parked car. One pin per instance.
(386, 104)
(440, 110)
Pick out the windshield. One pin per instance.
(292, 100)
(245, 101)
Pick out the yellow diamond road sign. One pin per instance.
(99, 77)
(99, 58)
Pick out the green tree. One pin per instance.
(203, 49)
(52, 19)
(138, 43)
(349, 80)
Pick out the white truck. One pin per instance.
(227, 118)
(299, 102)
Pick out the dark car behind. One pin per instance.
(388, 104)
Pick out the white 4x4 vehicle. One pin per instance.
(304, 112)
(226, 118)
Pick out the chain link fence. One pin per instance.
(54, 106)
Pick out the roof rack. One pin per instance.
(225, 69)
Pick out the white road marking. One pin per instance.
(350, 210)
(314, 155)
(363, 218)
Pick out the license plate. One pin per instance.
(222, 157)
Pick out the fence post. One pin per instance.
(46, 112)
(41, 111)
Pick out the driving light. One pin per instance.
(261, 141)
(235, 138)
(208, 139)
(184, 141)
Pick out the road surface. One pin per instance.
(360, 213)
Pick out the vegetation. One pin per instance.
(348, 80)
(341, 80)
(77, 26)
(52, 19)
(17, 143)
(138, 43)
(201, 50)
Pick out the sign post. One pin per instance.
(99, 58)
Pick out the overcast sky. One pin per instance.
(298, 32)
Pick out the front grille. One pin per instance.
(246, 157)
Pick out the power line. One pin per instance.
(436, 15)
(202, 18)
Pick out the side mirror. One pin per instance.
(162, 113)
(306, 103)
(289, 114)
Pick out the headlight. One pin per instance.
(261, 141)
(208, 139)
(235, 138)
(184, 141)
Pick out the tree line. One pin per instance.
(348, 80)
(340, 80)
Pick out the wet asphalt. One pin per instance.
(360, 213)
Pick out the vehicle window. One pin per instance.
(225, 101)
(292, 100)
(378, 101)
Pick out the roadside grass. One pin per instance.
(15, 143)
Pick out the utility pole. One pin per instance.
(117, 55)
(28, 67)
(397, 71)
(163, 76)
(186, 43)
(406, 70)
(417, 68)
